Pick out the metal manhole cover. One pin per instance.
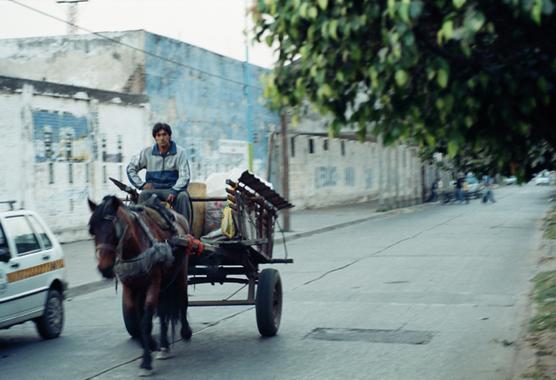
(372, 335)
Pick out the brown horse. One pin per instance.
(132, 246)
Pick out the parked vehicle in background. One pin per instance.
(512, 180)
(32, 273)
(542, 178)
(474, 188)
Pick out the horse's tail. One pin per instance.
(172, 295)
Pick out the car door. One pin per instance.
(51, 253)
(24, 294)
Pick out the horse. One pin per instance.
(132, 246)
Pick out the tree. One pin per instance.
(443, 74)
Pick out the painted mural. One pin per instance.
(60, 136)
(207, 108)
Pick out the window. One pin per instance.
(39, 230)
(20, 230)
(325, 144)
(3, 241)
(292, 146)
(343, 146)
(311, 146)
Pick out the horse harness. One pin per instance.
(157, 253)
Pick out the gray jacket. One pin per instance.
(169, 171)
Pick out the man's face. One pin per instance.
(162, 139)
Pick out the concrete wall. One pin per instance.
(80, 60)
(327, 171)
(200, 93)
(61, 148)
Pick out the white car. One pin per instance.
(543, 178)
(32, 273)
(473, 188)
(512, 180)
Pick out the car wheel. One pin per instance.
(50, 324)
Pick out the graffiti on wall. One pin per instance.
(349, 176)
(60, 136)
(325, 176)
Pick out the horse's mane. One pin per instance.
(106, 207)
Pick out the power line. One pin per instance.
(132, 47)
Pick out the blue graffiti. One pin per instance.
(60, 136)
(349, 176)
(325, 176)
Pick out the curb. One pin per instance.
(375, 215)
(103, 284)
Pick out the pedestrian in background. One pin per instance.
(489, 194)
(460, 183)
(433, 197)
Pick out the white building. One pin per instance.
(59, 144)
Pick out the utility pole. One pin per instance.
(72, 14)
(249, 105)
(285, 169)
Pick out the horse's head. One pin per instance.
(107, 230)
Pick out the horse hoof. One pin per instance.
(186, 333)
(164, 354)
(145, 372)
(153, 345)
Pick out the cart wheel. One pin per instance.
(268, 304)
(131, 322)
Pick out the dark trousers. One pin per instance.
(181, 204)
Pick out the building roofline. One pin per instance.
(50, 88)
(121, 32)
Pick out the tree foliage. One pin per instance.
(439, 73)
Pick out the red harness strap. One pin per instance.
(194, 246)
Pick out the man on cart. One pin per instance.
(167, 171)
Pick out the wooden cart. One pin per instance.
(255, 209)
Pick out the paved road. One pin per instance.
(430, 293)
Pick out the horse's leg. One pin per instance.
(146, 329)
(130, 307)
(185, 331)
(151, 301)
(164, 343)
(163, 316)
(136, 299)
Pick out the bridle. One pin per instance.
(120, 235)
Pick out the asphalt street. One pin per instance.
(429, 292)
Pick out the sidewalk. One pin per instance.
(83, 276)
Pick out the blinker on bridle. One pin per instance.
(120, 233)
